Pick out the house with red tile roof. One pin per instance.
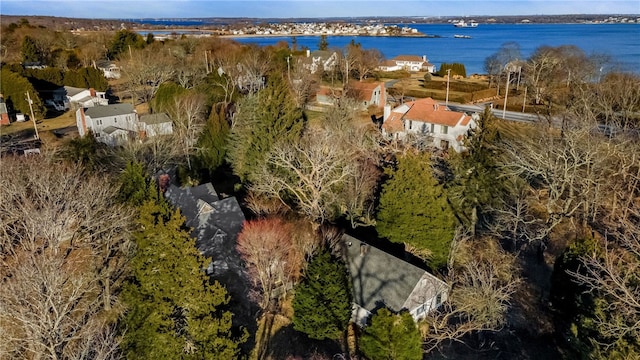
(367, 94)
(407, 62)
(426, 117)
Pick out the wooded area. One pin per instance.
(534, 227)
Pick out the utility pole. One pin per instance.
(289, 68)
(446, 101)
(506, 93)
(33, 118)
(206, 61)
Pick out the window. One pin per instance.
(438, 299)
(444, 129)
(115, 119)
(433, 128)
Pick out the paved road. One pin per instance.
(509, 115)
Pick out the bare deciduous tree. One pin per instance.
(312, 173)
(274, 261)
(483, 279)
(188, 112)
(145, 70)
(64, 243)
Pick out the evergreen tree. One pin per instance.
(263, 119)
(174, 312)
(122, 40)
(322, 302)
(13, 87)
(212, 143)
(134, 185)
(30, 51)
(476, 187)
(391, 337)
(323, 44)
(414, 210)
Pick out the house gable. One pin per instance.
(381, 279)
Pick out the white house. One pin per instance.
(78, 97)
(320, 60)
(118, 123)
(381, 279)
(156, 124)
(409, 63)
(110, 124)
(428, 118)
(109, 70)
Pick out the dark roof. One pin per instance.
(157, 118)
(215, 225)
(109, 110)
(379, 277)
(215, 222)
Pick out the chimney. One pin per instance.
(387, 112)
(92, 92)
(308, 52)
(424, 58)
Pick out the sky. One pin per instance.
(128, 9)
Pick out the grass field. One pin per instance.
(65, 120)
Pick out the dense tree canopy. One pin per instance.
(414, 209)
(391, 337)
(173, 310)
(262, 120)
(322, 303)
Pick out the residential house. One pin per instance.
(409, 63)
(156, 124)
(110, 124)
(429, 118)
(78, 97)
(320, 60)
(368, 93)
(109, 69)
(382, 280)
(4, 112)
(215, 223)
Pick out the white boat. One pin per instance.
(462, 36)
(462, 23)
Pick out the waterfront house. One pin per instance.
(426, 117)
(411, 63)
(381, 279)
(320, 60)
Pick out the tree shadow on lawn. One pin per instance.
(288, 344)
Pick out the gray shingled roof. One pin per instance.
(215, 225)
(158, 118)
(72, 91)
(109, 110)
(379, 277)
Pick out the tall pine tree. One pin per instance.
(391, 336)
(212, 143)
(174, 312)
(414, 209)
(322, 302)
(263, 119)
(477, 186)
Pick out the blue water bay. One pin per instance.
(619, 41)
